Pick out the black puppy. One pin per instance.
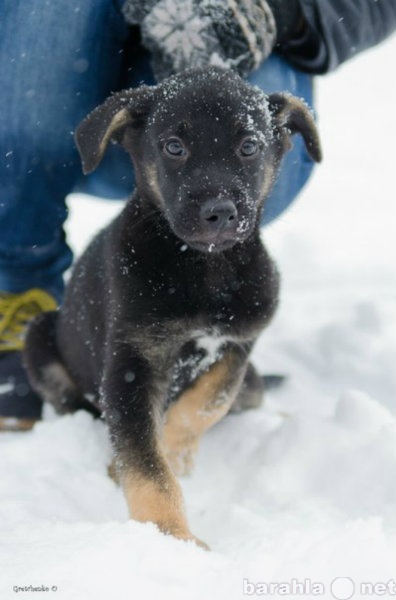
(164, 306)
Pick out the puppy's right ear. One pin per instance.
(107, 122)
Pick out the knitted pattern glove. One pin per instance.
(182, 34)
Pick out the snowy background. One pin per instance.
(303, 488)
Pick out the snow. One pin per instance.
(300, 490)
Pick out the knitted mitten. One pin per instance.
(183, 34)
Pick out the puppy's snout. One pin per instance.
(218, 215)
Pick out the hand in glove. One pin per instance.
(182, 34)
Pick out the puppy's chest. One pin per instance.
(181, 301)
(222, 298)
(194, 358)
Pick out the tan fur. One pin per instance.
(112, 472)
(152, 180)
(121, 118)
(160, 502)
(292, 104)
(199, 408)
(267, 181)
(307, 129)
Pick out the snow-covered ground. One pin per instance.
(300, 492)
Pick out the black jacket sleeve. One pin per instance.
(336, 30)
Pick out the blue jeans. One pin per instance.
(58, 60)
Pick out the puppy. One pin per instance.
(163, 308)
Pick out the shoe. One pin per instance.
(20, 406)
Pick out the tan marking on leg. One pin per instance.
(199, 408)
(160, 502)
(113, 473)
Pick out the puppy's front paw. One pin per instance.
(199, 542)
(184, 535)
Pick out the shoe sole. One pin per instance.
(13, 424)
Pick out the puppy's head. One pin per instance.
(206, 148)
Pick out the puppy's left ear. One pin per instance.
(291, 114)
(107, 123)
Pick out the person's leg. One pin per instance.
(58, 60)
(114, 178)
(277, 75)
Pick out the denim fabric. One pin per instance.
(58, 60)
(277, 75)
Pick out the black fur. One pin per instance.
(182, 261)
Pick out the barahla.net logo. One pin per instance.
(341, 588)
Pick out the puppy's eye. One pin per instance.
(248, 148)
(174, 148)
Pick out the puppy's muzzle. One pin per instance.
(218, 217)
(217, 226)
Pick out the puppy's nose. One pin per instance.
(218, 215)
